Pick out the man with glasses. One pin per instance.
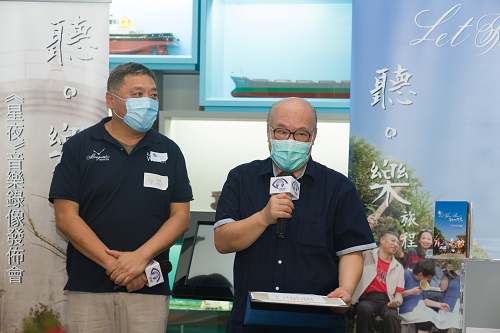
(121, 196)
(326, 229)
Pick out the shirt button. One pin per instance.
(280, 262)
(277, 288)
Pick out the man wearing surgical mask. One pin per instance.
(121, 196)
(325, 233)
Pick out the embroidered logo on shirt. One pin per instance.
(157, 157)
(98, 156)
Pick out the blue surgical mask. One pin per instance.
(141, 113)
(289, 155)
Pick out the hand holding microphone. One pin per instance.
(153, 274)
(286, 183)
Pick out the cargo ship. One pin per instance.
(152, 44)
(124, 39)
(246, 87)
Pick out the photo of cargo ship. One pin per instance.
(123, 39)
(153, 44)
(246, 87)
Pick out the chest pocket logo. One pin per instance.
(98, 156)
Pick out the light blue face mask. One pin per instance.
(141, 112)
(289, 155)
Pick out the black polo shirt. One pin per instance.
(328, 221)
(124, 198)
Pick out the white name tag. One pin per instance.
(155, 181)
(158, 157)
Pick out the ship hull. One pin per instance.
(150, 44)
(290, 93)
(246, 87)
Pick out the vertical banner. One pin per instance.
(54, 67)
(424, 113)
(424, 129)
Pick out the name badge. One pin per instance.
(158, 157)
(155, 181)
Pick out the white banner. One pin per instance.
(54, 66)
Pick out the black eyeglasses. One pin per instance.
(284, 134)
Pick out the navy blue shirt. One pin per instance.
(328, 221)
(124, 198)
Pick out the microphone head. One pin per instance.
(285, 182)
(165, 266)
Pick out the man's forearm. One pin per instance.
(169, 233)
(350, 271)
(239, 235)
(79, 234)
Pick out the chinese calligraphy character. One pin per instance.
(15, 274)
(394, 171)
(391, 171)
(402, 80)
(15, 161)
(15, 255)
(15, 236)
(402, 77)
(14, 112)
(380, 85)
(15, 218)
(15, 199)
(388, 189)
(75, 42)
(408, 240)
(408, 218)
(15, 179)
(56, 138)
(15, 131)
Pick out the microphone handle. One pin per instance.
(281, 228)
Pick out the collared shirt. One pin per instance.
(395, 280)
(124, 198)
(328, 221)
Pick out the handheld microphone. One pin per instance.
(285, 182)
(155, 271)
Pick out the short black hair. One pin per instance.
(389, 232)
(118, 74)
(426, 267)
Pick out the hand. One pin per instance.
(445, 307)
(402, 237)
(372, 221)
(415, 291)
(137, 283)
(279, 206)
(343, 293)
(394, 304)
(127, 267)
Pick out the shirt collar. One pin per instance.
(99, 132)
(269, 167)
